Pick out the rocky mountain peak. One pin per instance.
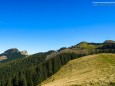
(12, 54)
(12, 50)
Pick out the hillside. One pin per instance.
(93, 70)
(36, 68)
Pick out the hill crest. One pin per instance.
(94, 70)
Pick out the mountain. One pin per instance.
(12, 54)
(92, 70)
(36, 68)
(109, 41)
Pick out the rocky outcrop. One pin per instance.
(24, 52)
(3, 58)
(12, 54)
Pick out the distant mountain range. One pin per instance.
(34, 69)
(12, 54)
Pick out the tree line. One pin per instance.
(34, 69)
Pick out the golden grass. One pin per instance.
(93, 70)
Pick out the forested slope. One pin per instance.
(34, 69)
(92, 70)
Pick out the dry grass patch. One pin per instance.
(93, 70)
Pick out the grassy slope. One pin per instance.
(93, 70)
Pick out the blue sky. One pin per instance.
(42, 25)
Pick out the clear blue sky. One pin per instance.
(42, 25)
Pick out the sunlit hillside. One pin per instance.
(92, 70)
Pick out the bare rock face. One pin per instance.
(24, 52)
(3, 58)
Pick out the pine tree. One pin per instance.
(16, 80)
(22, 80)
(9, 82)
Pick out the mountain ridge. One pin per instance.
(12, 54)
(36, 68)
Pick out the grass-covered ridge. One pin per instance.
(92, 70)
